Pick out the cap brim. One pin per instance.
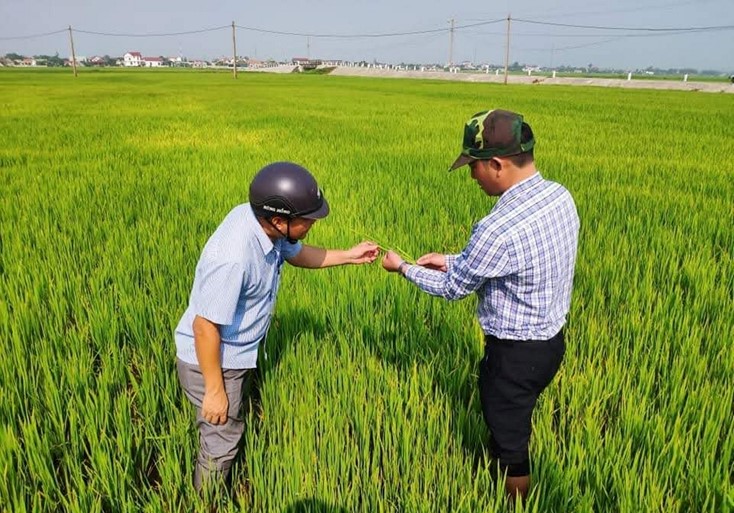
(463, 160)
(322, 212)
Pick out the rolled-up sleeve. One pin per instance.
(484, 257)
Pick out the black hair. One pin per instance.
(526, 157)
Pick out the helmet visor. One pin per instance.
(319, 212)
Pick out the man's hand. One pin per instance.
(435, 261)
(214, 407)
(363, 253)
(391, 262)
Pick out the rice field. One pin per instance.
(112, 182)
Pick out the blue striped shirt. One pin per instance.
(235, 287)
(520, 260)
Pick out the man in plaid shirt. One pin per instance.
(520, 261)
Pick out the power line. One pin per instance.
(545, 34)
(560, 49)
(557, 35)
(33, 36)
(388, 34)
(656, 7)
(615, 38)
(597, 43)
(112, 34)
(366, 36)
(631, 29)
(340, 36)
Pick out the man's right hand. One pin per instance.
(435, 261)
(215, 406)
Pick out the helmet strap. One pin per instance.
(287, 234)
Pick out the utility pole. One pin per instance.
(451, 45)
(73, 53)
(507, 47)
(308, 47)
(234, 50)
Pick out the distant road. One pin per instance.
(708, 87)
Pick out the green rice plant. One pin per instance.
(112, 183)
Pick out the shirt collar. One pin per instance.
(265, 243)
(521, 186)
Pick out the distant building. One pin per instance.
(153, 62)
(306, 63)
(131, 59)
(78, 61)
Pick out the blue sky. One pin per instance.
(531, 43)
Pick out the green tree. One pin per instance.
(50, 60)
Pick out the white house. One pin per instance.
(132, 59)
(152, 62)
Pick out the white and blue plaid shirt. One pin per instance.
(520, 260)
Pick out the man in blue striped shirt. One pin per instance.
(520, 261)
(233, 298)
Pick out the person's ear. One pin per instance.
(278, 221)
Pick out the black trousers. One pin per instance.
(512, 375)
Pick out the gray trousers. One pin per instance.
(218, 444)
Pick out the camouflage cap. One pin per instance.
(492, 133)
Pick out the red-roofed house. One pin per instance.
(132, 59)
(152, 62)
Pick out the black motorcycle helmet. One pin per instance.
(288, 190)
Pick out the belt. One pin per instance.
(491, 339)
